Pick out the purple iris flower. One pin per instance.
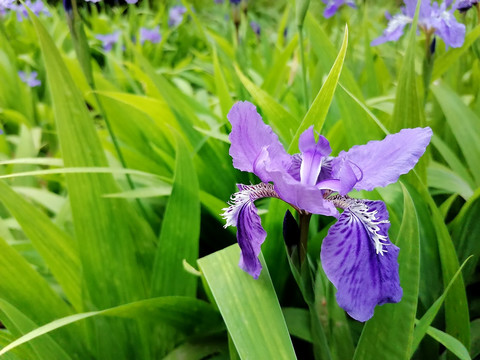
(152, 35)
(357, 255)
(108, 40)
(30, 79)
(465, 5)
(175, 15)
(334, 5)
(37, 7)
(432, 19)
(131, 1)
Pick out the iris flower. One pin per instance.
(108, 40)
(432, 19)
(175, 15)
(152, 35)
(30, 79)
(334, 5)
(357, 255)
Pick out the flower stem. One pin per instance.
(304, 224)
(304, 67)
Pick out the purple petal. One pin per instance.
(394, 29)
(254, 145)
(303, 197)
(313, 154)
(451, 31)
(359, 259)
(242, 213)
(382, 162)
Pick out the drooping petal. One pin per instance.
(254, 145)
(449, 29)
(382, 162)
(313, 154)
(242, 213)
(359, 259)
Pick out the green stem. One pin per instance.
(304, 68)
(304, 224)
(427, 67)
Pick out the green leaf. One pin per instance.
(280, 119)
(56, 247)
(408, 111)
(249, 307)
(185, 314)
(443, 63)
(180, 231)
(452, 344)
(298, 323)
(221, 86)
(32, 297)
(441, 177)
(423, 324)
(396, 341)
(18, 323)
(464, 123)
(115, 244)
(463, 226)
(318, 110)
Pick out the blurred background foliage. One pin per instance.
(111, 189)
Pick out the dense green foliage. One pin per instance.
(115, 170)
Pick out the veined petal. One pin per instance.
(382, 162)
(242, 213)
(254, 145)
(449, 29)
(360, 260)
(313, 154)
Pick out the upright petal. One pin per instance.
(382, 162)
(360, 260)
(253, 143)
(313, 154)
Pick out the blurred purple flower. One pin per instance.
(255, 27)
(175, 15)
(357, 255)
(235, 2)
(465, 5)
(131, 1)
(108, 40)
(30, 79)
(432, 19)
(334, 5)
(152, 35)
(93, 1)
(37, 7)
